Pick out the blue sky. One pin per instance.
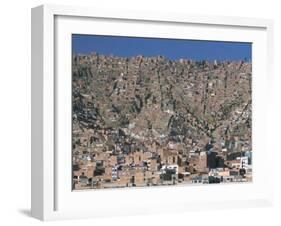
(172, 49)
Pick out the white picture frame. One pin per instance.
(52, 197)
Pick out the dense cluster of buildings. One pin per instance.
(129, 162)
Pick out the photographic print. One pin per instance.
(160, 112)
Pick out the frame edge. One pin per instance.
(37, 40)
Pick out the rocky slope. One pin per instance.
(154, 98)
